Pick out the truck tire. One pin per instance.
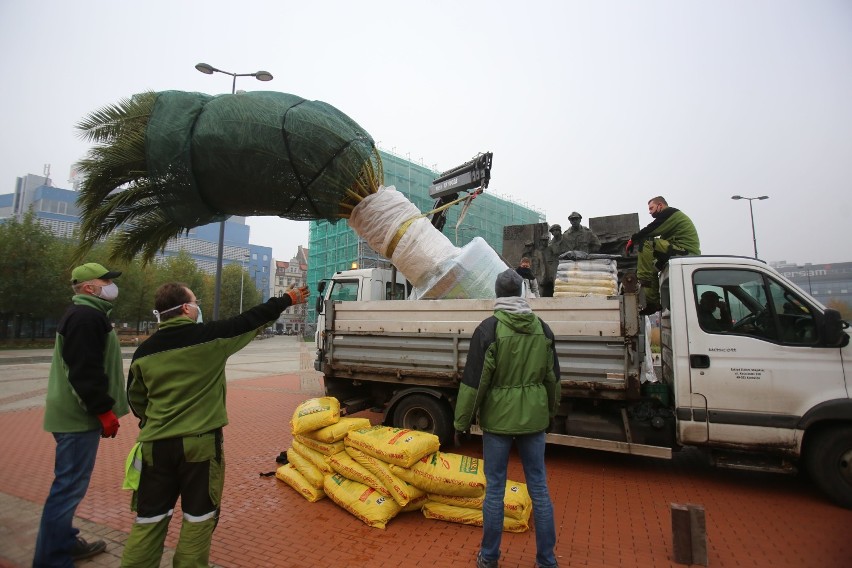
(829, 462)
(425, 413)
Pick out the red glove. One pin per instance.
(298, 295)
(629, 248)
(109, 422)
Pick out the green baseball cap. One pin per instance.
(92, 271)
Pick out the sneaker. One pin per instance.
(483, 563)
(83, 549)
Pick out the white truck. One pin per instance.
(767, 390)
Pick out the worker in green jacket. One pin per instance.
(176, 387)
(671, 233)
(511, 381)
(85, 399)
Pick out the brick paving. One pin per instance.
(611, 510)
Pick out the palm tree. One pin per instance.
(166, 162)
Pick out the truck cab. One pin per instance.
(361, 285)
(764, 372)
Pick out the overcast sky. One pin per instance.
(587, 106)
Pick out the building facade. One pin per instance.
(55, 208)
(294, 274)
(828, 283)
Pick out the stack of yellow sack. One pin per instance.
(377, 472)
(593, 277)
(345, 459)
(517, 508)
(318, 432)
(455, 485)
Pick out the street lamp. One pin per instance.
(260, 76)
(751, 212)
(242, 277)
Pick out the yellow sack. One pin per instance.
(442, 512)
(364, 502)
(415, 504)
(309, 471)
(291, 476)
(324, 448)
(316, 458)
(516, 501)
(447, 474)
(338, 430)
(315, 413)
(403, 493)
(393, 445)
(343, 464)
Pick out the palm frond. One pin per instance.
(117, 120)
(116, 166)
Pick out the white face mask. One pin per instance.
(109, 292)
(198, 319)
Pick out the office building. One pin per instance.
(55, 208)
(827, 283)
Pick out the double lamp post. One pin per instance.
(260, 76)
(751, 211)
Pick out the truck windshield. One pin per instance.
(746, 302)
(344, 290)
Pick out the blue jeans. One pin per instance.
(72, 470)
(495, 449)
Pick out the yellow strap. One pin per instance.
(403, 227)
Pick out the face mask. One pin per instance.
(157, 314)
(109, 292)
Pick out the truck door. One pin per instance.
(343, 289)
(755, 357)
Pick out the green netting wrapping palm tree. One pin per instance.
(166, 162)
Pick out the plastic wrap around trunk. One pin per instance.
(391, 225)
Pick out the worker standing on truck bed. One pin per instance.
(511, 379)
(671, 233)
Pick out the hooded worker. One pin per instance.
(511, 384)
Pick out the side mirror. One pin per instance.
(832, 329)
(320, 301)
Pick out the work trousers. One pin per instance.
(72, 470)
(192, 468)
(653, 256)
(495, 449)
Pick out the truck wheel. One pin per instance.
(829, 462)
(425, 413)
